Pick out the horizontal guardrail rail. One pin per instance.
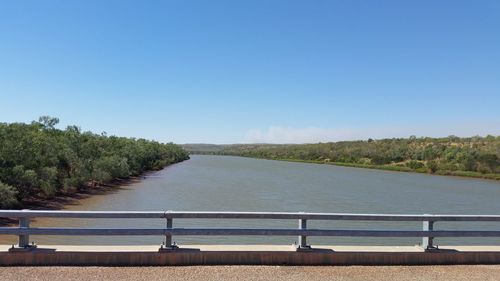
(427, 233)
(244, 232)
(242, 215)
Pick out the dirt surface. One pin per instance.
(240, 273)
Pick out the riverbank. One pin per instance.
(73, 196)
(467, 174)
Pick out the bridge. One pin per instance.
(300, 253)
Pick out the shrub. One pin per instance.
(7, 196)
(432, 166)
(414, 165)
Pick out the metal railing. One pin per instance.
(428, 233)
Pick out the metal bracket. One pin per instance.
(432, 249)
(26, 248)
(303, 248)
(169, 248)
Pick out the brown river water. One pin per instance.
(225, 183)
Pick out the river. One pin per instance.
(225, 183)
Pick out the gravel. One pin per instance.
(241, 273)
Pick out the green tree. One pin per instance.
(38, 159)
(48, 122)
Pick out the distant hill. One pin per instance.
(202, 148)
(220, 149)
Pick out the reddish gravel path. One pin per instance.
(241, 273)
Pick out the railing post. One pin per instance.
(428, 241)
(168, 245)
(24, 239)
(302, 239)
(168, 237)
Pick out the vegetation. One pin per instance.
(38, 160)
(472, 157)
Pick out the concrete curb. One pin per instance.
(246, 255)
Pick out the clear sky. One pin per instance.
(254, 71)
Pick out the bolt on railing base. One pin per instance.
(26, 248)
(302, 248)
(168, 248)
(430, 249)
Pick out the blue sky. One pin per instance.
(254, 71)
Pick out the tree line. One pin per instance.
(474, 156)
(39, 160)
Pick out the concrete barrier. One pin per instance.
(246, 255)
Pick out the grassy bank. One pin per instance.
(467, 174)
(394, 168)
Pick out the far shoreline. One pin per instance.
(457, 174)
